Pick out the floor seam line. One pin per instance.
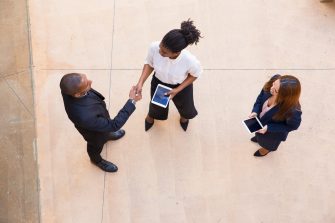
(205, 69)
(20, 100)
(16, 73)
(109, 103)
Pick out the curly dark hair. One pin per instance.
(178, 39)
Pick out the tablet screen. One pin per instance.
(159, 97)
(253, 124)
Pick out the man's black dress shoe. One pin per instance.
(106, 166)
(184, 124)
(116, 135)
(258, 154)
(148, 125)
(254, 139)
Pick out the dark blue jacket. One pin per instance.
(89, 113)
(277, 130)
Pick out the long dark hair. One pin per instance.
(178, 39)
(288, 97)
(267, 86)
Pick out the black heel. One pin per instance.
(184, 125)
(258, 154)
(148, 125)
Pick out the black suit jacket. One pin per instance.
(277, 130)
(90, 116)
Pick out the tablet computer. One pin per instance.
(159, 97)
(253, 124)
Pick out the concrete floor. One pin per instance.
(19, 195)
(207, 174)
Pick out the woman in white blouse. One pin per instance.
(176, 68)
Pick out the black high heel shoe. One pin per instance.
(148, 125)
(184, 125)
(258, 154)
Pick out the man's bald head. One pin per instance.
(70, 83)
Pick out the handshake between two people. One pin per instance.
(136, 92)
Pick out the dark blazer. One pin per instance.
(277, 130)
(90, 116)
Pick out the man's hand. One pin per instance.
(134, 95)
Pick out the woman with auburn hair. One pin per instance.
(278, 108)
(174, 67)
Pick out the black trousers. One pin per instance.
(95, 143)
(183, 101)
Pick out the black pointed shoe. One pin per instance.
(258, 154)
(116, 135)
(184, 124)
(148, 125)
(106, 166)
(254, 139)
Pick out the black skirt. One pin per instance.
(265, 141)
(183, 101)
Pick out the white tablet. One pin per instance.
(253, 124)
(159, 97)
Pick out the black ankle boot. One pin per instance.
(148, 125)
(184, 124)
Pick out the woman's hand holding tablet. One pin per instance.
(253, 125)
(263, 130)
(161, 97)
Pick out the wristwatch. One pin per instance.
(132, 101)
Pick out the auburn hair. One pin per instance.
(288, 95)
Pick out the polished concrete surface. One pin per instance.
(19, 200)
(207, 174)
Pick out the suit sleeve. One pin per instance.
(289, 125)
(103, 124)
(258, 103)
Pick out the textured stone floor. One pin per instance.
(207, 174)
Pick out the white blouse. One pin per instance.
(173, 71)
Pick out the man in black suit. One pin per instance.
(86, 108)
